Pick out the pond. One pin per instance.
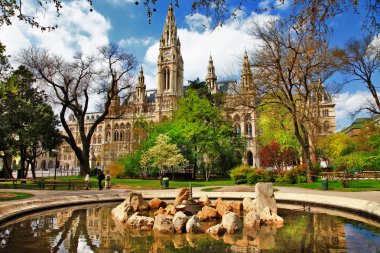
(92, 229)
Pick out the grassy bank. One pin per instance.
(6, 196)
(336, 185)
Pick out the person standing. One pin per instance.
(101, 176)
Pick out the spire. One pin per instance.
(246, 74)
(140, 87)
(211, 77)
(170, 61)
(141, 81)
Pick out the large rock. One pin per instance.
(140, 222)
(183, 194)
(207, 213)
(169, 210)
(179, 222)
(222, 207)
(252, 220)
(231, 222)
(236, 206)
(156, 203)
(216, 230)
(164, 224)
(265, 197)
(269, 218)
(133, 202)
(204, 200)
(193, 225)
(225, 206)
(249, 204)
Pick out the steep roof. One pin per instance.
(358, 123)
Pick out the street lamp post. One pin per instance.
(55, 165)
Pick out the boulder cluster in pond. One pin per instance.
(170, 219)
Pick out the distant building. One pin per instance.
(357, 126)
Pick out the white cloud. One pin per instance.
(348, 103)
(197, 22)
(136, 41)
(78, 30)
(120, 1)
(226, 44)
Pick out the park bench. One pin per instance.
(68, 184)
(41, 184)
(364, 175)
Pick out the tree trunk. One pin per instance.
(33, 168)
(84, 165)
(7, 165)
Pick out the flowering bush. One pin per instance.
(296, 175)
(116, 169)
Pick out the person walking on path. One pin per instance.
(101, 176)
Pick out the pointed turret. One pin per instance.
(246, 75)
(211, 77)
(170, 62)
(140, 87)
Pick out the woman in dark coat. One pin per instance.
(101, 176)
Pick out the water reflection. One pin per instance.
(92, 229)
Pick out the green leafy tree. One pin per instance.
(336, 145)
(210, 136)
(30, 126)
(162, 156)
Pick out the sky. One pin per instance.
(125, 23)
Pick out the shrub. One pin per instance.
(240, 173)
(116, 169)
(260, 175)
(296, 175)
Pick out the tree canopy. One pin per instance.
(29, 126)
(162, 156)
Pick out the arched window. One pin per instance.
(127, 136)
(50, 164)
(108, 136)
(248, 129)
(237, 129)
(99, 139)
(250, 158)
(43, 164)
(166, 78)
(116, 136)
(121, 135)
(94, 140)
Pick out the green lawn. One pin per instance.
(335, 185)
(6, 196)
(153, 184)
(139, 184)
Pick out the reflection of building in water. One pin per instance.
(100, 227)
(329, 232)
(62, 218)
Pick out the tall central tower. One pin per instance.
(169, 67)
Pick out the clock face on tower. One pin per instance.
(167, 53)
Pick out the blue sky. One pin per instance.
(123, 22)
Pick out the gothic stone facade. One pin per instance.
(120, 136)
